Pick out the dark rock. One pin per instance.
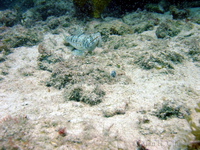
(179, 14)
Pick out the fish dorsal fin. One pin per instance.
(76, 31)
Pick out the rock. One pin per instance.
(136, 18)
(141, 21)
(114, 27)
(171, 109)
(179, 14)
(144, 26)
(159, 60)
(53, 22)
(117, 42)
(30, 17)
(154, 8)
(9, 18)
(193, 48)
(4, 49)
(21, 36)
(92, 96)
(115, 109)
(53, 8)
(167, 29)
(171, 28)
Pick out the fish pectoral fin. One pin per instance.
(77, 52)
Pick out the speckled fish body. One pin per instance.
(85, 42)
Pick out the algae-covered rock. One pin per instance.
(167, 29)
(159, 7)
(70, 72)
(79, 70)
(48, 57)
(91, 96)
(196, 20)
(141, 21)
(2, 57)
(144, 26)
(9, 18)
(155, 8)
(139, 17)
(115, 109)
(114, 27)
(117, 42)
(171, 28)
(48, 8)
(150, 61)
(171, 109)
(133, 18)
(60, 76)
(195, 129)
(30, 17)
(53, 22)
(194, 15)
(193, 48)
(44, 9)
(159, 60)
(21, 36)
(4, 50)
(179, 14)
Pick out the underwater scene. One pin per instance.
(99, 75)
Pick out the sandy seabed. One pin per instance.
(126, 115)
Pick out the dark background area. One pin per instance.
(9, 4)
(123, 5)
(128, 5)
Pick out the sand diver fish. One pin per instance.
(84, 42)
